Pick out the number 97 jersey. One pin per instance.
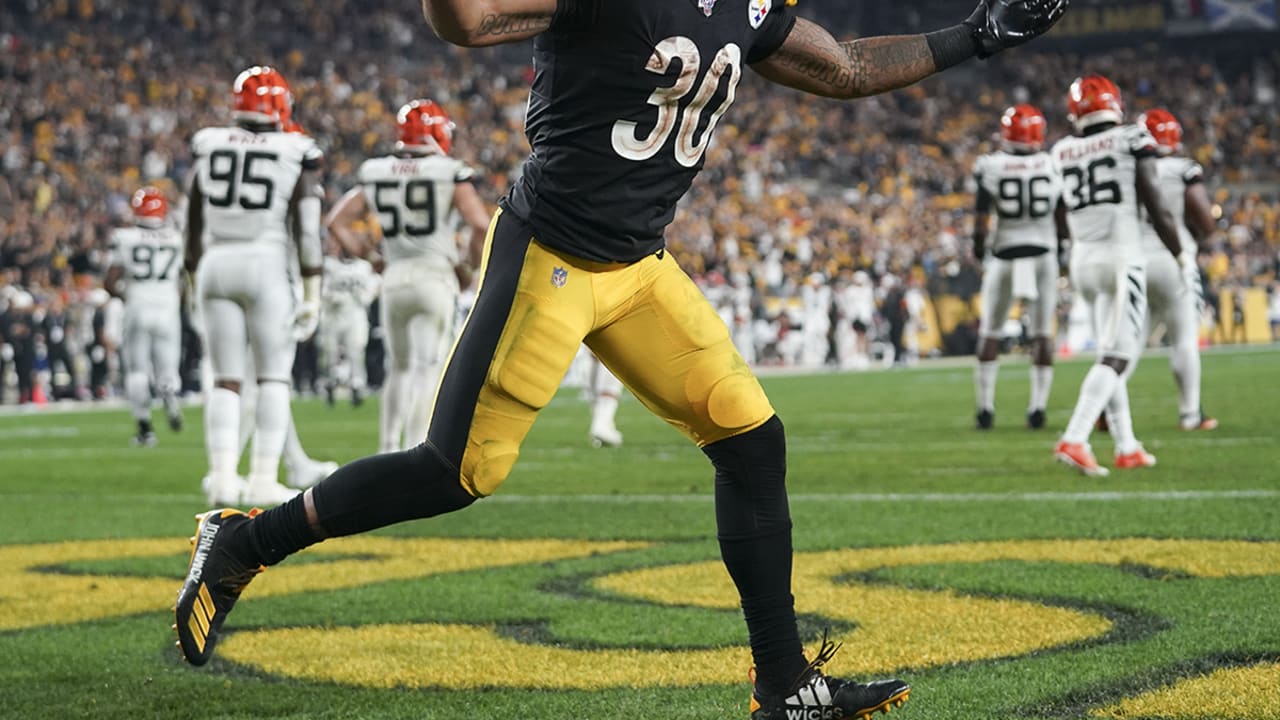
(1024, 191)
(413, 200)
(248, 179)
(152, 262)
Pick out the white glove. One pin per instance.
(306, 320)
(307, 317)
(1189, 271)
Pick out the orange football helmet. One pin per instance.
(149, 206)
(423, 125)
(1094, 99)
(1022, 127)
(260, 94)
(1164, 127)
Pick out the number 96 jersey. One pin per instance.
(1024, 191)
(1099, 172)
(625, 97)
(413, 199)
(248, 178)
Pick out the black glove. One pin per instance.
(1002, 24)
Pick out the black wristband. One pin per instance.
(952, 46)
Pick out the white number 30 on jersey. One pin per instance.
(667, 99)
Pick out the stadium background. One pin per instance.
(100, 96)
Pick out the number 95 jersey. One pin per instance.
(248, 178)
(1099, 172)
(1024, 191)
(413, 199)
(625, 97)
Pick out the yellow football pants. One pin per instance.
(646, 321)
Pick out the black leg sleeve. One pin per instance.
(367, 494)
(753, 524)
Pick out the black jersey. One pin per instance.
(624, 100)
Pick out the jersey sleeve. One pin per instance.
(116, 250)
(312, 156)
(779, 18)
(1140, 141)
(575, 15)
(1193, 173)
(199, 141)
(463, 173)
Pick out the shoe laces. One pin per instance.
(826, 651)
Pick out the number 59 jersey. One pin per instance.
(152, 263)
(625, 97)
(413, 200)
(248, 178)
(1024, 191)
(1099, 172)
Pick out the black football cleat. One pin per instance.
(984, 420)
(1035, 420)
(815, 696)
(175, 422)
(215, 579)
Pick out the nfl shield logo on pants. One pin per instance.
(559, 276)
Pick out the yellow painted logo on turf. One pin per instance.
(892, 626)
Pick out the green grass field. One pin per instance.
(1000, 584)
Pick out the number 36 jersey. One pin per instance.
(413, 199)
(152, 263)
(1099, 172)
(1024, 192)
(625, 97)
(247, 179)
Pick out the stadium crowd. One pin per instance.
(98, 97)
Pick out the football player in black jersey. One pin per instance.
(625, 97)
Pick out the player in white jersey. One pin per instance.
(146, 272)
(1182, 188)
(1021, 185)
(350, 285)
(253, 187)
(416, 194)
(1108, 169)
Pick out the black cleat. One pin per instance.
(1035, 419)
(328, 396)
(175, 422)
(215, 579)
(984, 420)
(815, 696)
(357, 398)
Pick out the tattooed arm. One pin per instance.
(476, 23)
(811, 60)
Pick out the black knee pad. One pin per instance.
(751, 492)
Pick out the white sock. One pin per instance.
(1120, 421)
(422, 394)
(1041, 381)
(294, 455)
(221, 431)
(1095, 392)
(392, 415)
(603, 412)
(1184, 360)
(984, 379)
(138, 389)
(248, 415)
(269, 434)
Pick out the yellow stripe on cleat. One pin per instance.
(196, 633)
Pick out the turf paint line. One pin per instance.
(517, 499)
(1100, 496)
